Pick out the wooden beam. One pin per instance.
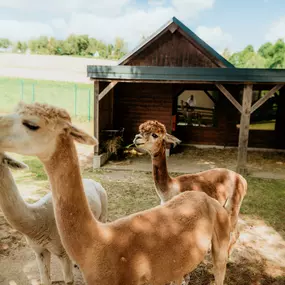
(244, 129)
(229, 96)
(210, 96)
(172, 28)
(263, 99)
(96, 115)
(107, 89)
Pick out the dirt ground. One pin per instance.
(258, 258)
(261, 164)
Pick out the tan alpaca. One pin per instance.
(37, 222)
(155, 247)
(226, 186)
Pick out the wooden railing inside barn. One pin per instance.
(198, 116)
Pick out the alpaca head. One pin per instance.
(10, 162)
(34, 129)
(153, 137)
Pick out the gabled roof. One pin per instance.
(187, 31)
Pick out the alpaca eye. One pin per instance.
(31, 126)
(155, 136)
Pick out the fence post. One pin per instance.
(89, 103)
(75, 99)
(22, 90)
(33, 92)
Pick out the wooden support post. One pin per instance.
(244, 129)
(280, 120)
(96, 115)
(107, 89)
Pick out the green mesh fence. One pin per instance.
(77, 99)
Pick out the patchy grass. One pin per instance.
(264, 125)
(130, 192)
(133, 192)
(268, 126)
(258, 161)
(36, 168)
(266, 199)
(126, 194)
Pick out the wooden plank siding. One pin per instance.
(134, 104)
(172, 49)
(106, 108)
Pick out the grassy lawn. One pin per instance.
(128, 194)
(62, 94)
(265, 200)
(266, 126)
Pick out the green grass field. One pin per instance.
(76, 98)
(266, 126)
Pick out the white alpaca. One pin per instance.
(37, 222)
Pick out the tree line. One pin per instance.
(79, 45)
(269, 55)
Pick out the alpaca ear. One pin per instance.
(81, 136)
(13, 163)
(172, 139)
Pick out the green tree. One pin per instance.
(247, 58)
(20, 47)
(119, 48)
(5, 43)
(82, 44)
(39, 45)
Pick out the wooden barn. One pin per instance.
(156, 79)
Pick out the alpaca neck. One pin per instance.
(160, 172)
(74, 218)
(17, 212)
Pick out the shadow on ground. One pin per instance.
(240, 272)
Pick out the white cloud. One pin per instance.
(130, 27)
(276, 31)
(15, 30)
(191, 8)
(101, 19)
(97, 7)
(215, 37)
(156, 2)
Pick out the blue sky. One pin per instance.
(221, 23)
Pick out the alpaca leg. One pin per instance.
(67, 266)
(234, 237)
(104, 207)
(43, 259)
(220, 245)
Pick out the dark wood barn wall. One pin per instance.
(135, 103)
(106, 106)
(172, 50)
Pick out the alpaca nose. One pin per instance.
(138, 136)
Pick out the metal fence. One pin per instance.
(77, 99)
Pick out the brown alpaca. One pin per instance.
(155, 246)
(226, 186)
